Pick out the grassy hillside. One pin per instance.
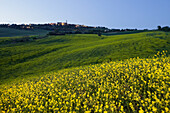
(121, 33)
(53, 53)
(133, 85)
(8, 32)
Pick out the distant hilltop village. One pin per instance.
(48, 26)
(62, 28)
(58, 28)
(66, 24)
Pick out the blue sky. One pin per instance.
(109, 13)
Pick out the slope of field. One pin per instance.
(8, 32)
(121, 33)
(133, 85)
(53, 53)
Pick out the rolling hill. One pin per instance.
(38, 56)
(132, 85)
(11, 32)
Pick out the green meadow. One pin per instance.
(38, 56)
(11, 32)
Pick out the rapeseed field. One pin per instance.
(133, 85)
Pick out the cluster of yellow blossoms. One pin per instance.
(133, 85)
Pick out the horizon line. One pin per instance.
(27, 23)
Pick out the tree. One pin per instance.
(99, 34)
(159, 28)
(166, 28)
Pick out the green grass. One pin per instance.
(54, 53)
(121, 33)
(8, 32)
